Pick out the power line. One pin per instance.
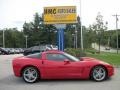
(116, 17)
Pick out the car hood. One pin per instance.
(89, 59)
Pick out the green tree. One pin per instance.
(13, 38)
(99, 27)
(38, 33)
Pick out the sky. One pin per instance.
(13, 13)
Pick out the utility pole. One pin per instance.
(81, 25)
(116, 17)
(73, 40)
(26, 40)
(76, 36)
(3, 39)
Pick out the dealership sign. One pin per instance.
(60, 15)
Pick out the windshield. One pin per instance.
(71, 57)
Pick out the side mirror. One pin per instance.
(66, 61)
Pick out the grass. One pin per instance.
(111, 58)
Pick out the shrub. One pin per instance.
(75, 52)
(92, 51)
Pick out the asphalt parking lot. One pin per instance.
(9, 82)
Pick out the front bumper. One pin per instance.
(111, 71)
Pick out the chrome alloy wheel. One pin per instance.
(30, 74)
(99, 73)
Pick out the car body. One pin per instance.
(0, 52)
(20, 50)
(107, 48)
(4, 51)
(17, 51)
(55, 64)
(52, 47)
(12, 50)
(7, 51)
(35, 49)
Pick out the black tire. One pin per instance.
(30, 74)
(98, 73)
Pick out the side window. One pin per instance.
(56, 57)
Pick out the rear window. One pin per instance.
(36, 55)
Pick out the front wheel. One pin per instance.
(99, 73)
(30, 74)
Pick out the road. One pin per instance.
(102, 48)
(9, 82)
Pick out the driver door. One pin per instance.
(58, 66)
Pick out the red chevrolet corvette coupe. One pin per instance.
(60, 65)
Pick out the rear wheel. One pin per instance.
(99, 73)
(30, 74)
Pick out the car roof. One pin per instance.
(53, 51)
